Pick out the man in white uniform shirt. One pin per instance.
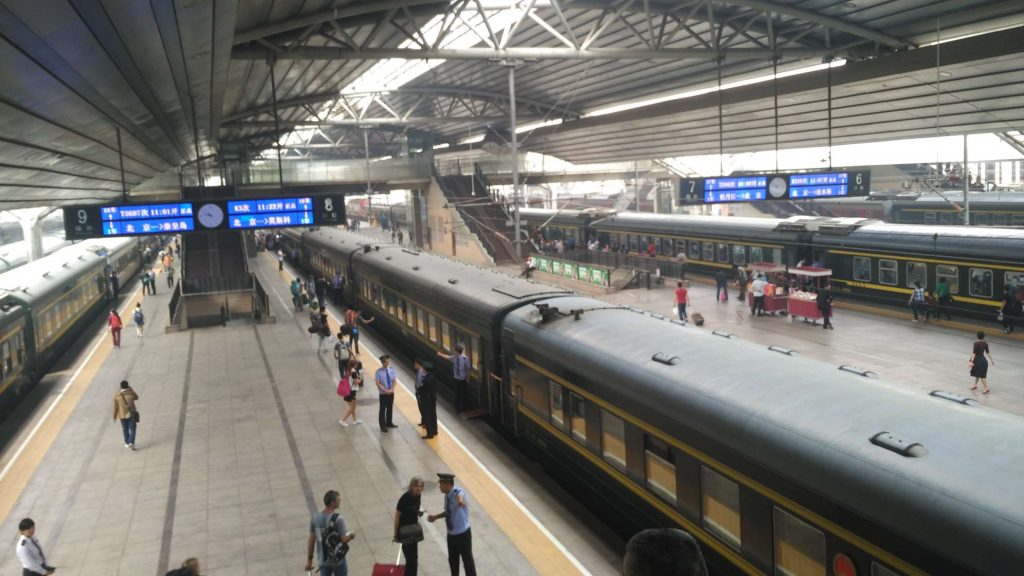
(30, 553)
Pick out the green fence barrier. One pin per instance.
(589, 273)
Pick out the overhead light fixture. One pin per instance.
(850, 5)
(945, 74)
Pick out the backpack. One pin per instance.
(333, 548)
(138, 317)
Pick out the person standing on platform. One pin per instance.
(338, 287)
(140, 320)
(741, 283)
(311, 288)
(115, 284)
(916, 299)
(979, 364)
(408, 531)
(386, 380)
(721, 287)
(126, 412)
(114, 320)
(1010, 311)
(663, 552)
(942, 293)
(280, 260)
(145, 283)
(456, 519)
(682, 298)
(426, 396)
(296, 290)
(168, 261)
(170, 277)
(460, 373)
(757, 288)
(825, 306)
(152, 283)
(327, 533)
(352, 319)
(30, 553)
(321, 291)
(354, 380)
(400, 236)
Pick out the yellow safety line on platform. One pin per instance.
(537, 544)
(26, 459)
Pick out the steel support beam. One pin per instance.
(434, 120)
(537, 53)
(824, 20)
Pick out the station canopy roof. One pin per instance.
(166, 82)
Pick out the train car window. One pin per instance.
(999, 219)
(929, 217)
(632, 243)
(667, 247)
(403, 311)
(756, 254)
(946, 218)
(657, 245)
(887, 272)
(720, 498)
(879, 570)
(981, 282)
(777, 255)
(535, 390)
(660, 468)
(392, 302)
(613, 439)
(1015, 278)
(578, 415)
(474, 352)
(1018, 220)
(862, 269)
(375, 295)
(980, 219)
(951, 275)
(739, 255)
(421, 321)
(723, 253)
(446, 337)
(799, 547)
(694, 250)
(432, 327)
(917, 272)
(557, 405)
(708, 252)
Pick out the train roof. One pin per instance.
(808, 422)
(977, 243)
(406, 270)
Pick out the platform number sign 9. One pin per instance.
(82, 222)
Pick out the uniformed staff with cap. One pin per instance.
(460, 373)
(456, 519)
(33, 561)
(426, 397)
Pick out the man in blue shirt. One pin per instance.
(386, 380)
(460, 373)
(456, 519)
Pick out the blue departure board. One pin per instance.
(146, 211)
(270, 213)
(823, 185)
(148, 226)
(742, 189)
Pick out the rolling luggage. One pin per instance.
(395, 569)
(697, 318)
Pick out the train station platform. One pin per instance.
(239, 440)
(922, 356)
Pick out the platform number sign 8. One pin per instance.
(329, 205)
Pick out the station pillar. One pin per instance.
(30, 219)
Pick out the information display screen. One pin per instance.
(743, 189)
(148, 226)
(827, 185)
(146, 211)
(270, 213)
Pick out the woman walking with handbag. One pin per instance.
(347, 390)
(125, 411)
(408, 531)
(978, 363)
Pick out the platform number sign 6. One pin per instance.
(859, 179)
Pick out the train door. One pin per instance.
(504, 352)
(804, 250)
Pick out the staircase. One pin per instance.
(484, 217)
(213, 254)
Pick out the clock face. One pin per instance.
(211, 215)
(777, 187)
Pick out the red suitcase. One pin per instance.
(395, 569)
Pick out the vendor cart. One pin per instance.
(803, 296)
(774, 298)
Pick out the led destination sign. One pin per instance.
(755, 188)
(270, 213)
(146, 211)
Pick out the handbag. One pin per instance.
(344, 387)
(410, 533)
(135, 416)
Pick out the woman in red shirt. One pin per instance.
(115, 327)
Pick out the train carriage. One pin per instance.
(777, 464)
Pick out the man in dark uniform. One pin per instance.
(456, 519)
(426, 397)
